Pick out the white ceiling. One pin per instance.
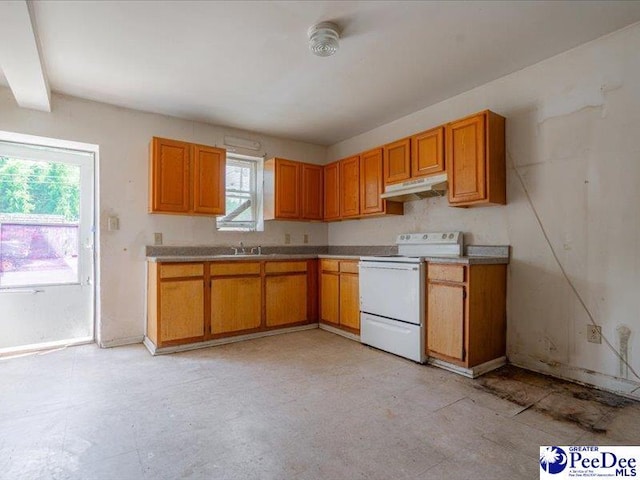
(247, 65)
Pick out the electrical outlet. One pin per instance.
(287, 238)
(157, 238)
(306, 238)
(594, 334)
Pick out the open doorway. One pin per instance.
(47, 238)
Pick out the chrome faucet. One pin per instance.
(243, 250)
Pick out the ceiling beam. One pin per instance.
(20, 58)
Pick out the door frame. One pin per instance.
(94, 149)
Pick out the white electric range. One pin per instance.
(392, 293)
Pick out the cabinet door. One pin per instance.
(371, 185)
(236, 304)
(329, 297)
(350, 187)
(427, 153)
(349, 301)
(209, 177)
(287, 189)
(332, 191)
(445, 320)
(397, 161)
(181, 310)
(311, 192)
(466, 168)
(286, 299)
(170, 181)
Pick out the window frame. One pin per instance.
(225, 224)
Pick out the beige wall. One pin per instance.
(573, 123)
(123, 137)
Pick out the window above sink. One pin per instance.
(243, 195)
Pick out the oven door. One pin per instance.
(393, 290)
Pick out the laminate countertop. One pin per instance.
(225, 258)
(464, 260)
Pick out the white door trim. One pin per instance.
(94, 149)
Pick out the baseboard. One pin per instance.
(337, 331)
(589, 378)
(222, 341)
(39, 347)
(472, 372)
(119, 342)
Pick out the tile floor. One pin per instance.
(306, 405)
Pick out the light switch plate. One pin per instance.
(113, 223)
(306, 238)
(287, 238)
(157, 238)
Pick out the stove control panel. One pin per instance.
(430, 238)
(428, 244)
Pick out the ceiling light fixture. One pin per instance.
(323, 39)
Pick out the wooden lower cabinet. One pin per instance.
(466, 313)
(286, 299)
(181, 320)
(236, 297)
(445, 325)
(349, 301)
(172, 320)
(339, 294)
(236, 304)
(330, 297)
(198, 301)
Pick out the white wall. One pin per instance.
(573, 123)
(123, 137)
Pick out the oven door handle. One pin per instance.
(393, 326)
(371, 267)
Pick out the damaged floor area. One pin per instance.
(594, 410)
(309, 405)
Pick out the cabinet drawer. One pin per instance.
(445, 273)
(349, 267)
(174, 270)
(329, 265)
(235, 268)
(284, 267)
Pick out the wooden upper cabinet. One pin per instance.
(427, 153)
(332, 191)
(185, 178)
(209, 172)
(476, 160)
(312, 192)
(350, 187)
(371, 185)
(170, 182)
(397, 161)
(292, 190)
(287, 189)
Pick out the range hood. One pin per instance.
(425, 187)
